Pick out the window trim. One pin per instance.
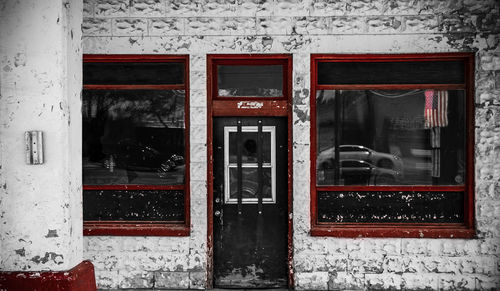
(270, 165)
(145, 228)
(415, 230)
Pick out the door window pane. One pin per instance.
(249, 147)
(249, 159)
(250, 81)
(390, 137)
(133, 137)
(250, 185)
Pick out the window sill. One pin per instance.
(143, 228)
(393, 230)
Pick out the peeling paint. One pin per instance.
(299, 96)
(20, 60)
(132, 41)
(267, 42)
(302, 116)
(461, 41)
(49, 256)
(296, 42)
(21, 252)
(250, 104)
(52, 233)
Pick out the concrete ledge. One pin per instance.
(80, 278)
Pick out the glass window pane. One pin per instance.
(390, 137)
(250, 183)
(249, 147)
(133, 137)
(250, 81)
(133, 73)
(443, 72)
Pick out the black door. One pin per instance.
(250, 202)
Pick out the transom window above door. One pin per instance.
(250, 81)
(237, 78)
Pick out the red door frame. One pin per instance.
(232, 106)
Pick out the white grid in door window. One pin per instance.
(249, 164)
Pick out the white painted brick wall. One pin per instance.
(300, 28)
(40, 85)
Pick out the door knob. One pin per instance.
(217, 213)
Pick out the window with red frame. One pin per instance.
(135, 161)
(392, 145)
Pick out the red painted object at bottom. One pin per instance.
(80, 278)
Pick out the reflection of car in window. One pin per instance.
(137, 157)
(357, 152)
(358, 172)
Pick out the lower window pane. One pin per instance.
(396, 207)
(250, 183)
(133, 137)
(390, 137)
(137, 205)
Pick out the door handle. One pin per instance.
(217, 213)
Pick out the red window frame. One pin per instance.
(145, 228)
(417, 230)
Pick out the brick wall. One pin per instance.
(300, 28)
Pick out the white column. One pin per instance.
(40, 85)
